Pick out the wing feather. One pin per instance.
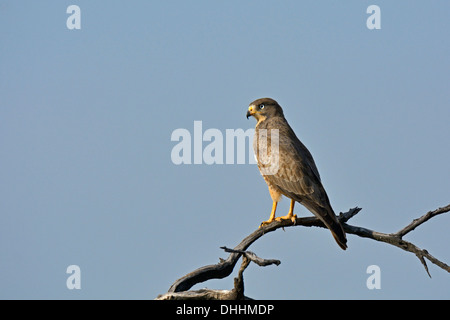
(297, 176)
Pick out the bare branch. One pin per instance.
(225, 267)
(202, 294)
(395, 239)
(417, 222)
(237, 293)
(253, 257)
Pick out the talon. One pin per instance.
(265, 223)
(291, 217)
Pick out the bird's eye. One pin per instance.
(261, 106)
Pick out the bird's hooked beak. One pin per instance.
(251, 111)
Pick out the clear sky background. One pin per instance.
(86, 118)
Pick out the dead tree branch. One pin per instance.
(396, 239)
(237, 293)
(253, 257)
(225, 267)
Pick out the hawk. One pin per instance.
(288, 167)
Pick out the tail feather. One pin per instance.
(328, 217)
(339, 235)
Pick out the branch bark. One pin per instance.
(253, 257)
(225, 267)
(237, 293)
(396, 239)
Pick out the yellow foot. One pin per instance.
(288, 217)
(265, 223)
(291, 217)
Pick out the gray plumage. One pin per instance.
(296, 175)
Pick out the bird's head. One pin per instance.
(264, 108)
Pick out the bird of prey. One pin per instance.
(288, 167)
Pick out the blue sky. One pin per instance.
(86, 118)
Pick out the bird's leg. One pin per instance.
(272, 215)
(290, 216)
